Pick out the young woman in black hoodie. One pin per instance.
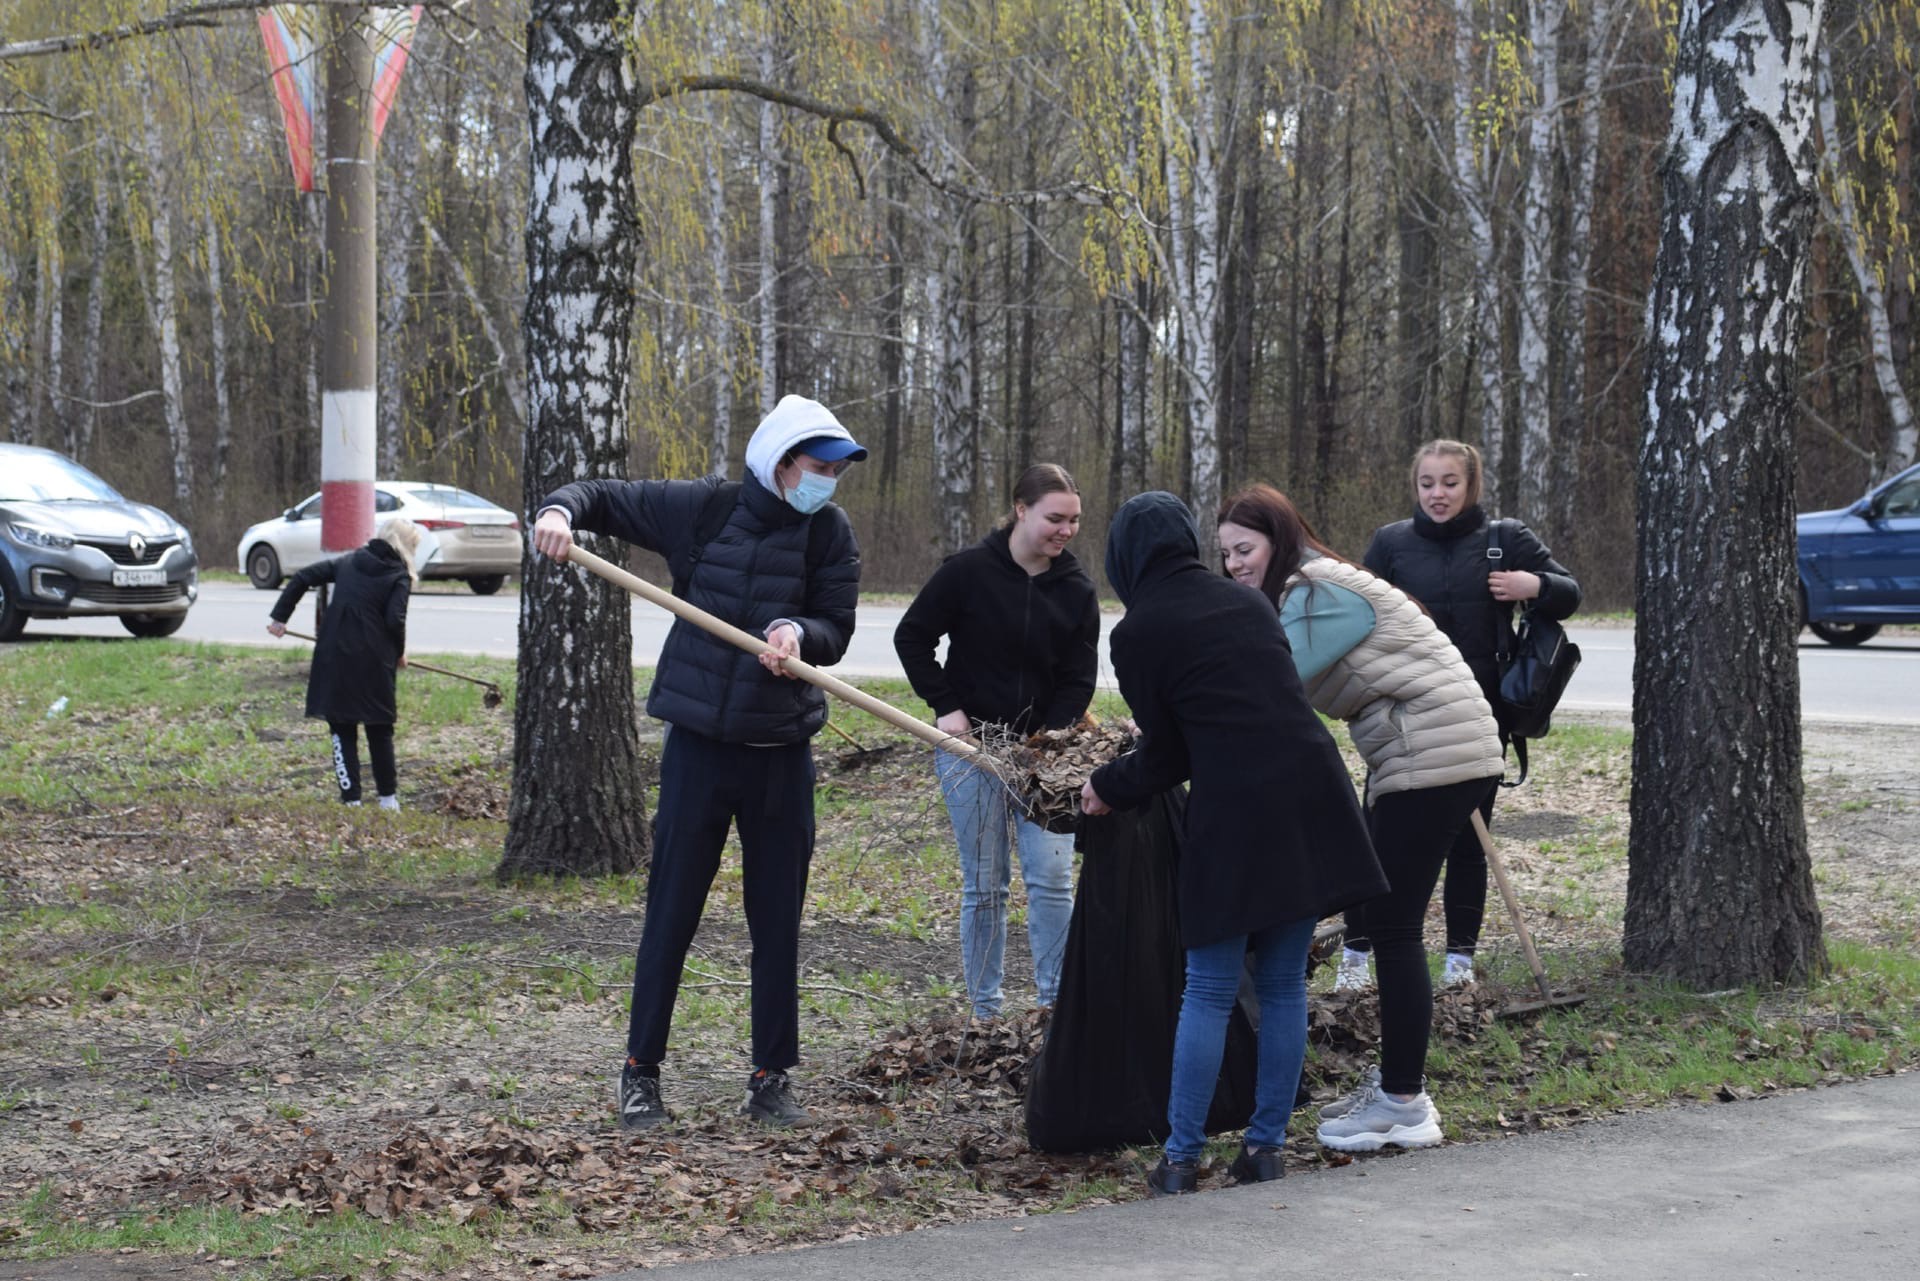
(1022, 623)
(1440, 558)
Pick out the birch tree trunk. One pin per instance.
(14, 378)
(578, 802)
(49, 330)
(1536, 301)
(398, 202)
(1838, 189)
(1473, 184)
(1190, 139)
(769, 174)
(719, 317)
(953, 390)
(1604, 25)
(81, 423)
(163, 313)
(217, 341)
(1720, 886)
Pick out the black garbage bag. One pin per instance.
(1102, 1078)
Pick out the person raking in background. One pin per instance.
(781, 563)
(1022, 622)
(361, 643)
(1368, 656)
(1440, 557)
(1274, 838)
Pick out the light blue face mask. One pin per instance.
(812, 493)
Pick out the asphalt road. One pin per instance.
(1880, 681)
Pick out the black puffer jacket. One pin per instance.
(1444, 566)
(752, 572)
(361, 638)
(1022, 649)
(1273, 830)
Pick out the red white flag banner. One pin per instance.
(295, 35)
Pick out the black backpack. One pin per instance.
(713, 518)
(1536, 662)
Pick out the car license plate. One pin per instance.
(139, 578)
(488, 531)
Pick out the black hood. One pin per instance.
(1150, 531)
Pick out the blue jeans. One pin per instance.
(1213, 979)
(986, 826)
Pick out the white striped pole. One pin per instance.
(348, 361)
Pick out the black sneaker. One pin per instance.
(770, 1101)
(1173, 1178)
(1258, 1165)
(637, 1100)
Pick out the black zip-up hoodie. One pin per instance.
(1444, 566)
(1022, 649)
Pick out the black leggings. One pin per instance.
(346, 758)
(1464, 896)
(1412, 832)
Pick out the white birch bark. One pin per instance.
(1720, 884)
(1604, 27)
(720, 319)
(769, 310)
(217, 340)
(163, 311)
(1535, 302)
(81, 423)
(1189, 138)
(1473, 185)
(1837, 196)
(396, 303)
(953, 390)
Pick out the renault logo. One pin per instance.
(137, 545)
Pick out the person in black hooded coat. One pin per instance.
(1274, 837)
(362, 644)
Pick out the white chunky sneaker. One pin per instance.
(390, 802)
(1457, 970)
(1379, 1121)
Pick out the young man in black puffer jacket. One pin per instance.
(738, 750)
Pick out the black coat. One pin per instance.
(362, 636)
(1022, 649)
(1444, 566)
(1273, 830)
(752, 572)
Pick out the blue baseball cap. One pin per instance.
(831, 449)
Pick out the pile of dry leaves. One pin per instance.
(1049, 767)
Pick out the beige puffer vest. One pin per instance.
(1416, 713)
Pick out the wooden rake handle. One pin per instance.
(1499, 867)
(755, 645)
(414, 662)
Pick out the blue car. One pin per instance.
(1860, 566)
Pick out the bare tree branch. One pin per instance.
(208, 13)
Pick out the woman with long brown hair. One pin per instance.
(1368, 655)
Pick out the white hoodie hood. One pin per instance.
(791, 421)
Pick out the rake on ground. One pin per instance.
(492, 697)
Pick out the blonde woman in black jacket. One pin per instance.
(1440, 557)
(362, 643)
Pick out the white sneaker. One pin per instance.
(1369, 1080)
(389, 802)
(1457, 970)
(1378, 1121)
(353, 805)
(1353, 974)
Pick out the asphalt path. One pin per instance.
(1877, 682)
(1815, 1184)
